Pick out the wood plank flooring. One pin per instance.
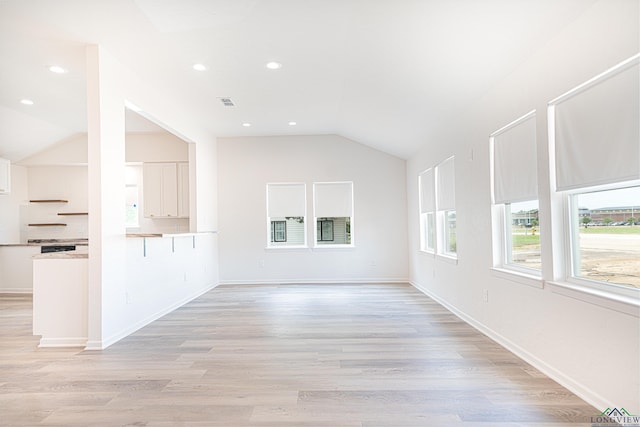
(280, 356)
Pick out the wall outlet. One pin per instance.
(128, 298)
(185, 276)
(261, 263)
(485, 295)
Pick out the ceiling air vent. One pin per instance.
(227, 102)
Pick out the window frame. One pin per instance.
(427, 217)
(277, 245)
(318, 244)
(501, 216)
(572, 255)
(617, 297)
(441, 215)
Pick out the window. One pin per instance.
(325, 230)
(286, 213)
(522, 233)
(446, 243)
(333, 211)
(595, 137)
(516, 235)
(131, 210)
(605, 234)
(278, 231)
(427, 211)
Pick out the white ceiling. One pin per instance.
(385, 73)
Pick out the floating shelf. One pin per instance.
(50, 224)
(49, 201)
(72, 213)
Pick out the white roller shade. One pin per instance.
(446, 185)
(427, 188)
(515, 166)
(286, 200)
(333, 199)
(597, 131)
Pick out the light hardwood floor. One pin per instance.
(280, 356)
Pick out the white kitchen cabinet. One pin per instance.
(165, 190)
(183, 190)
(5, 176)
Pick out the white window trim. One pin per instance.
(501, 244)
(441, 224)
(501, 265)
(615, 291)
(269, 245)
(423, 237)
(351, 220)
(440, 220)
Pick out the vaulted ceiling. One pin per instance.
(385, 73)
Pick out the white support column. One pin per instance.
(106, 167)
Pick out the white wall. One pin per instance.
(591, 349)
(246, 165)
(155, 147)
(56, 183)
(11, 205)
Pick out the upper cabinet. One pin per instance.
(5, 176)
(183, 190)
(166, 190)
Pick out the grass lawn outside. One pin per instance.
(619, 229)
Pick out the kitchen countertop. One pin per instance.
(145, 235)
(47, 242)
(62, 255)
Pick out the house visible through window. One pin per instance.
(278, 231)
(325, 230)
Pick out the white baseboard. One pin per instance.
(63, 342)
(101, 345)
(569, 383)
(315, 281)
(16, 291)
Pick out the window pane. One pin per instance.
(607, 228)
(450, 232)
(287, 231)
(131, 200)
(333, 231)
(524, 233)
(431, 231)
(427, 224)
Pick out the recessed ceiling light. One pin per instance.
(57, 69)
(199, 67)
(273, 65)
(26, 101)
(246, 125)
(292, 123)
